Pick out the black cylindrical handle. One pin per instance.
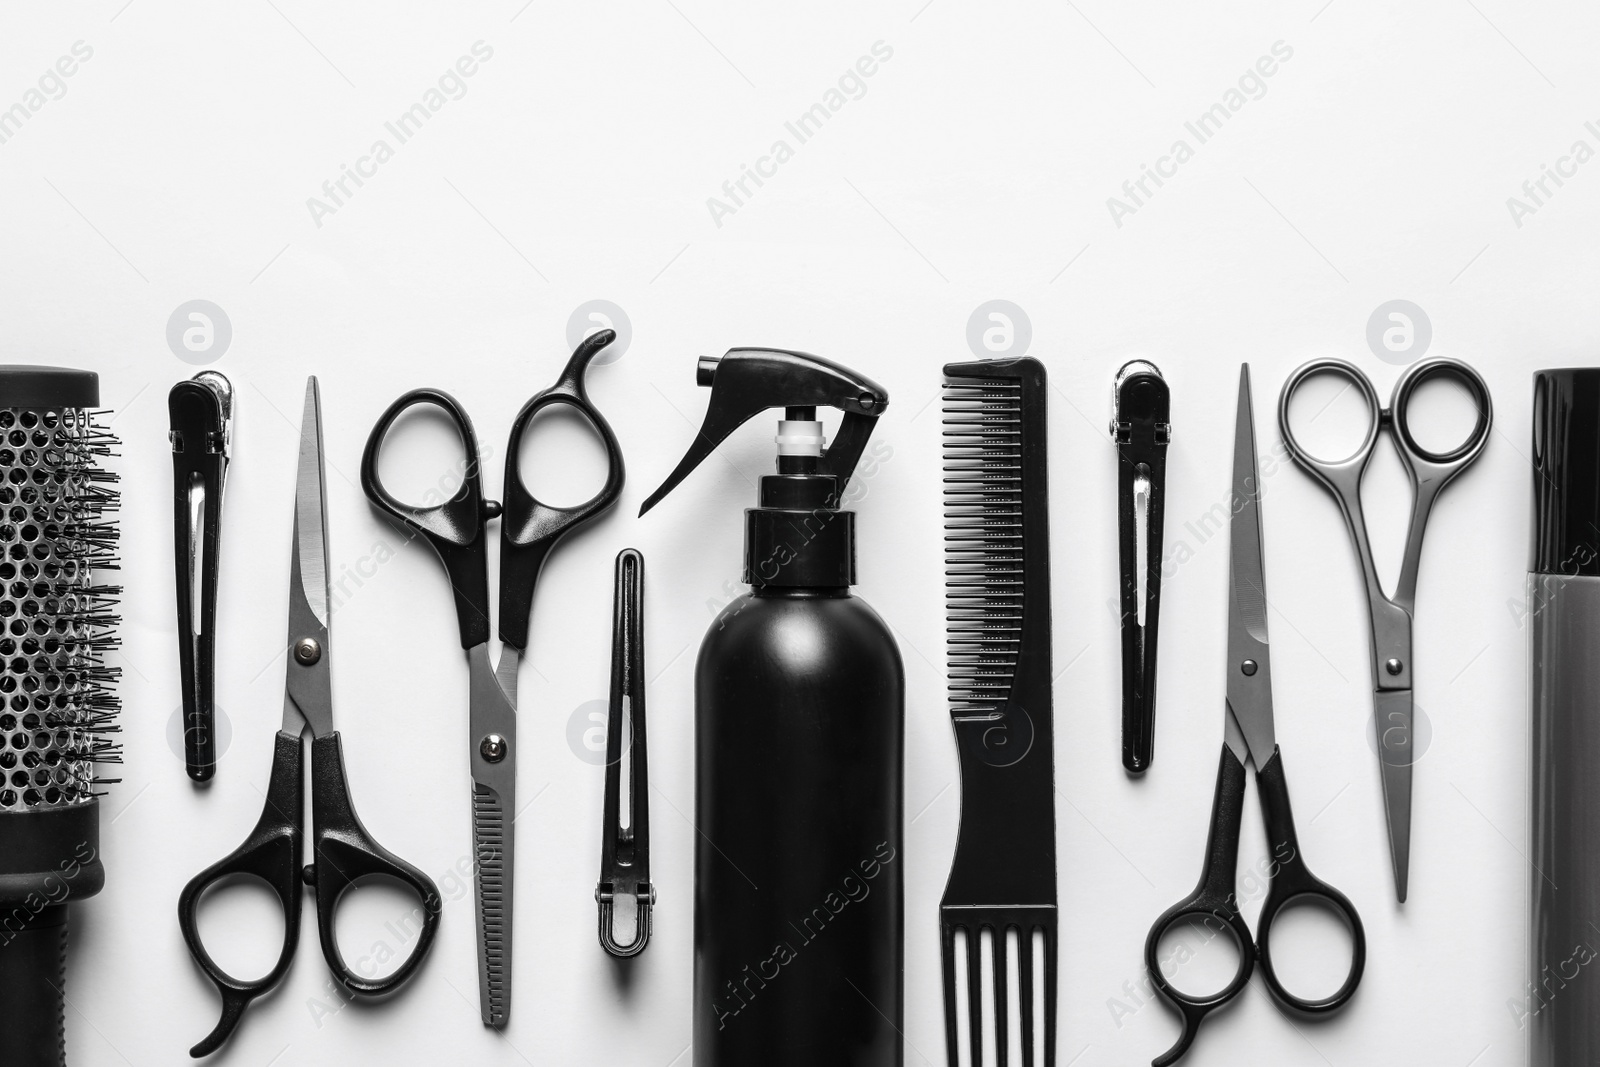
(33, 969)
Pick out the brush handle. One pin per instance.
(33, 969)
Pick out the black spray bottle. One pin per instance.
(799, 742)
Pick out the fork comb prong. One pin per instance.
(1050, 952)
(997, 956)
(999, 924)
(975, 992)
(947, 964)
(1025, 992)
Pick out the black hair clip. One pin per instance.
(201, 412)
(1141, 429)
(625, 849)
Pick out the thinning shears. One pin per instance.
(343, 853)
(529, 529)
(1391, 617)
(1249, 736)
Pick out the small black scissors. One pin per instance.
(528, 531)
(1391, 618)
(1249, 736)
(343, 854)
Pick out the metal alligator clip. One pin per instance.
(1141, 429)
(625, 849)
(201, 411)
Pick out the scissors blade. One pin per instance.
(308, 690)
(1249, 662)
(310, 512)
(494, 809)
(1394, 722)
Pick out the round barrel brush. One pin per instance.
(57, 706)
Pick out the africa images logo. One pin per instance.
(852, 888)
(51, 85)
(851, 85)
(1251, 85)
(451, 85)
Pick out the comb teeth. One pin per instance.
(57, 705)
(983, 542)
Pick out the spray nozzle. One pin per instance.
(748, 381)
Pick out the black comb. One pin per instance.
(997, 608)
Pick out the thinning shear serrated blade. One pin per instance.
(491, 836)
(494, 809)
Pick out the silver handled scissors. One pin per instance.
(343, 853)
(1391, 617)
(1249, 736)
(529, 529)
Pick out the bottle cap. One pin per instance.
(798, 537)
(1566, 472)
(23, 386)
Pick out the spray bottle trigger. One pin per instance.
(747, 381)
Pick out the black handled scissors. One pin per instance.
(343, 853)
(1391, 617)
(1249, 736)
(528, 531)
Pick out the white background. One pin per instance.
(977, 165)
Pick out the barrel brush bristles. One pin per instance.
(58, 621)
(58, 706)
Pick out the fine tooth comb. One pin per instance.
(1002, 886)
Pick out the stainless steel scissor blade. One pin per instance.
(1393, 714)
(494, 808)
(1249, 657)
(308, 689)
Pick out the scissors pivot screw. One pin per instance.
(307, 651)
(1394, 666)
(494, 748)
(1248, 667)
